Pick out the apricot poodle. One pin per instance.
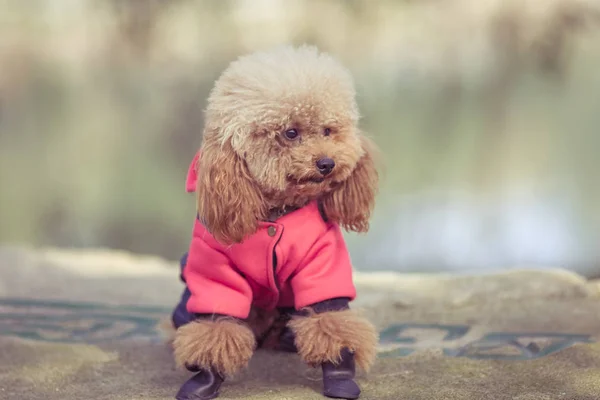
(283, 167)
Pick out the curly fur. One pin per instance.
(228, 201)
(260, 321)
(248, 166)
(224, 344)
(321, 337)
(352, 203)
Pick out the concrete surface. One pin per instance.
(83, 325)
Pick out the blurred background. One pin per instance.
(487, 112)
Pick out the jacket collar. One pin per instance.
(276, 213)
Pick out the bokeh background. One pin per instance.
(487, 112)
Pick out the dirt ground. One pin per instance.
(83, 325)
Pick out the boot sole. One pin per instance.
(212, 396)
(341, 395)
(331, 396)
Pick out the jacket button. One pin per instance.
(271, 231)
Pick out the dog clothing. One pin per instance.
(295, 261)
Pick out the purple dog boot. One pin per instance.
(204, 385)
(338, 379)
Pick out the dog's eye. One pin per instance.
(291, 134)
(327, 131)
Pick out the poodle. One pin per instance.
(283, 167)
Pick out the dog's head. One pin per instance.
(281, 130)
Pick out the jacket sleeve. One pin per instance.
(325, 272)
(216, 286)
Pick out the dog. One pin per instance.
(283, 167)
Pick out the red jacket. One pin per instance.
(296, 261)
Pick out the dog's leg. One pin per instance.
(214, 347)
(330, 335)
(287, 339)
(262, 323)
(279, 336)
(180, 315)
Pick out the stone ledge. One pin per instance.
(515, 283)
(75, 324)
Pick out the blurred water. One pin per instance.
(458, 232)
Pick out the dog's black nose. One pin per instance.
(325, 165)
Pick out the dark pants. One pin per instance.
(180, 315)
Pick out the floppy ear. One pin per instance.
(352, 203)
(228, 201)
